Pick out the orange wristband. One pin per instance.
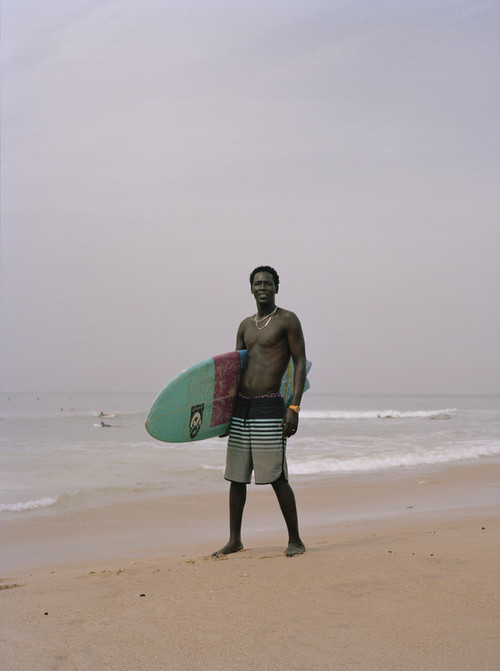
(295, 408)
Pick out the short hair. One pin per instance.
(265, 269)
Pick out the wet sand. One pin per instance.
(401, 573)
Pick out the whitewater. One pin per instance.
(56, 456)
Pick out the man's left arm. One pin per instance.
(297, 348)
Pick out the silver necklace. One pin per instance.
(268, 317)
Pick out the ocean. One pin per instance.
(57, 457)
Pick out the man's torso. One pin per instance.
(268, 355)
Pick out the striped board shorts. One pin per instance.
(256, 441)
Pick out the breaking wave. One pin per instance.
(45, 502)
(446, 413)
(396, 460)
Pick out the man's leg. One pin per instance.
(286, 499)
(237, 499)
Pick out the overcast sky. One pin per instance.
(155, 152)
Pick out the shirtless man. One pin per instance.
(260, 423)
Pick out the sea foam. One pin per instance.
(367, 463)
(446, 413)
(28, 505)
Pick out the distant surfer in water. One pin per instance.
(260, 424)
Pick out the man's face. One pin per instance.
(263, 288)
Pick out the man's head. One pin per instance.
(265, 269)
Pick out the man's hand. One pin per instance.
(290, 423)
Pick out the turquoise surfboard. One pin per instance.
(198, 402)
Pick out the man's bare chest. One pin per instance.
(270, 336)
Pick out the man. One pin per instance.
(261, 425)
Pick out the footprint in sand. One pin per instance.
(102, 574)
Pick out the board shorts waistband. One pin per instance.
(264, 406)
(274, 394)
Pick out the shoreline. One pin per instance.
(173, 523)
(401, 573)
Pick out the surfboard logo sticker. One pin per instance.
(196, 419)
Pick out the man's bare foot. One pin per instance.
(228, 549)
(295, 549)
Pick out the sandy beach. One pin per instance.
(401, 573)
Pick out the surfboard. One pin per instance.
(198, 402)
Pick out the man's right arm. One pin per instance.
(240, 344)
(240, 336)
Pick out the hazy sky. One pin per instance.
(155, 152)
